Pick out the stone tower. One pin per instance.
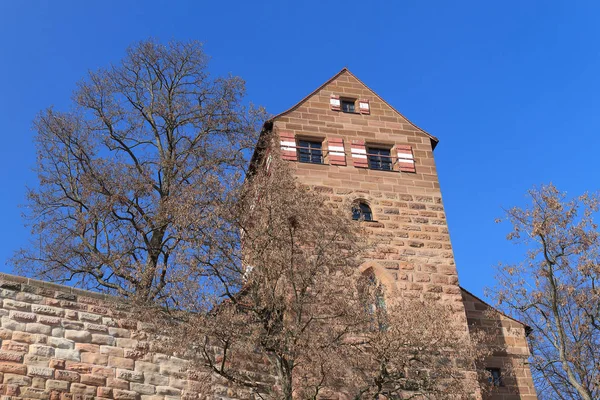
(347, 142)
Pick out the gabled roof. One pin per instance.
(528, 329)
(434, 140)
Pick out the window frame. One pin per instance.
(359, 205)
(373, 158)
(308, 150)
(495, 377)
(347, 100)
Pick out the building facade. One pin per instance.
(348, 143)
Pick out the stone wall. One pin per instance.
(516, 382)
(63, 343)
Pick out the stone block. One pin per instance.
(57, 364)
(38, 382)
(35, 393)
(111, 351)
(68, 354)
(47, 310)
(78, 336)
(93, 380)
(88, 317)
(95, 327)
(144, 366)
(11, 324)
(142, 388)
(29, 297)
(6, 334)
(119, 394)
(119, 332)
(48, 320)
(79, 388)
(94, 358)
(11, 356)
(156, 379)
(58, 332)
(103, 339)
(103, 371)
(60, 343)
(11, 304)
(69, 376)
(73, 325)
(9, 345)
(14, 379)
(38, 328)
(22, 316)
(13, 368)
(42, 372)
(82, 368)
(104, 391)
(61, 386)
(41, 350)
(131, 376)
(120, 362)
(117, 383)
(24, 337)
(167, 391)
(127, 343)
(39, 361)
(87, 347)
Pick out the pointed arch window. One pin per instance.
(362, 211)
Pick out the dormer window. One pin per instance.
(348, 105)
(379, 158)
(310, 151)
(362, 211)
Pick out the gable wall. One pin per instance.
(414, 249)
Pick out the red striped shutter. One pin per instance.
(359, 154)
(334, 102)
(406, 161)
(288, 146)
(364, 106)
(335, 147)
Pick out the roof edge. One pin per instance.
(528, 329)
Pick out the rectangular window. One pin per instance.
(379, 158)
(348, 105)
(494, 377)
(310, 151)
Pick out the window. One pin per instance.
(379, 158)
(362, 211)
(494, 376)
(348, 105)
(374, 301)
(310, 151)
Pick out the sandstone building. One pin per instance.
(346, 141)
(60, 343)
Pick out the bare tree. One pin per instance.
(555, 291)
(151, 146)
(305, 323)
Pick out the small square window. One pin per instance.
(379, 158)
(310, 151)
(494, 376)
(348, 105)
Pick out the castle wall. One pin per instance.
(64, 343)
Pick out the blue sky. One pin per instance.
(511, 88)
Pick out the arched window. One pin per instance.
(374, 300)
(362, 211)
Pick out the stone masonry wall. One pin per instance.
(61, 343)
(517, 382)
(414, 253)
